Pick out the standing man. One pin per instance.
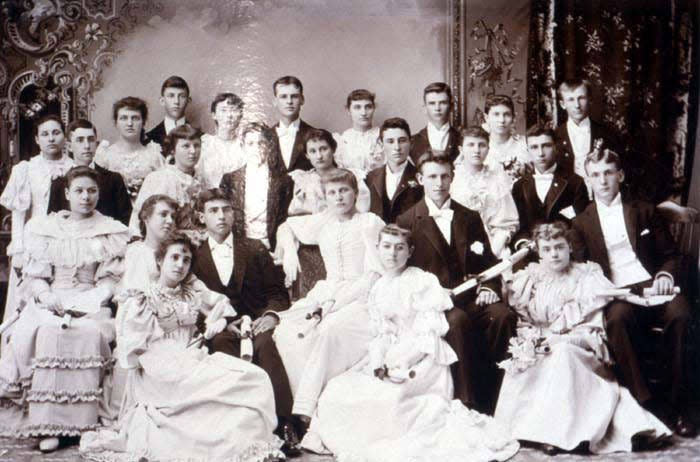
(174, 97)
(438, 136)
(291, 130)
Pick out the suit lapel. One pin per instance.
(459, 235)
(206, 263)
(555, 190)
(298, 148)
(272, 200)
(530, 193)
(379, 183)
(630, 214)
(430, 229)
(407, 175)
(240, 257)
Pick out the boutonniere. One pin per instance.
(412, 183)
(477, 247)
(645, 232)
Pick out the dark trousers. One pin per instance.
(625, 326)
(479, 336)
(266, 356)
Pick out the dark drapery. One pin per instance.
(640, 57)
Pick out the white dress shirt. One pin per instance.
(222, 254)
(543, 181)
(256, 183)
(442, 216)
(437, 137)
(286, 135)
(580, 136)
(625, 267)
(393, 179)
(171, 124)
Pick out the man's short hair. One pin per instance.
(174, 81)
(499, 100)
(438, 87)
(600, 154)
(359, 95)
(538, 130)
(209, 195)
(573, 84)
(230, 98)
(474, 132)
(319, 134)
(394, 122)
(430, 156)
(288, 80)
(79, 123)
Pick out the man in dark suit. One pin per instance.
(576, 138)
(242, 269)
(174, 97)
(114, 198)
(629, 240)
(290, 130)
(277, 189)
(438, 136)
(551, 192)
(393, 188)
(455, 246)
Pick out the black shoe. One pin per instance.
(549, 449)
(684, 427)
(290, 448)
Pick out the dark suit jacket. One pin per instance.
(298, 161)
(405, 197)
(420, 144)
(157, 133)
(431, 252)
(565, 151)
(114, 199)
(647, 233)
(279, 195)
(567, 190)
(256, 284)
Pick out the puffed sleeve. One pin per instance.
(137, 328)
(37, 270)
(213, 304)
(585, 302)
(17, 195)
(155, 151)
(307, 194)
(102, 154)
(371, 227)
(422, 292)
(363, 197)
(501, 214)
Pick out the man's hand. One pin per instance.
(233, 327)
(663, 285)
(486, 297)
(264, 323)
(214, 328)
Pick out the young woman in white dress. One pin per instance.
(559, 390)
(26, 195)
(128, 156)
(182, 403)
(358, 146)
(484, 190)
(222, 152)
(51, 370)
(396, 403)
(346, 239)
(180, 181)
(507, 150)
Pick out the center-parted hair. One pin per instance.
(430, 156)
(230, 98)
(396, 230)
(149, 206)
(288, 80)
(183, 132)
(319, 134)
(359, 95)
(48, 118)
(499, 100)
(340, 175)
(81, 172)
(175, 238)
(133, 103)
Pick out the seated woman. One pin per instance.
(179, 182)
(396, 403)
(128, 156)
(358, 146)
(261, 190)
(559, 390)
(308, 198)
(484, 190)
(26, 194)
(182, 403)
(346, 239)
(51, 370)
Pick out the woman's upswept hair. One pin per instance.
(554, 230)
(340, 175)
(396, 230)
(150, 204)
(176, 237)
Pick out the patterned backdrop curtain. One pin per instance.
(640, 57)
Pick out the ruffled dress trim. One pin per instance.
(64, 396)
(90, 362)
(56, 240)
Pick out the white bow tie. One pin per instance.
(446, 214)
(543, 176)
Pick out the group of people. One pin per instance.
(265, 290)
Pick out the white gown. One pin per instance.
(218, 158)
(569, 395)
(343, 331)
(182, 403)
(361, 418)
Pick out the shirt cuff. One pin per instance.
(666, 274)
(274, 314)
(482, 288)
(519, 242)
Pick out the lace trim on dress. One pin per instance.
(86, 362)
(64, 397)
(10, 387)
(44, 430)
